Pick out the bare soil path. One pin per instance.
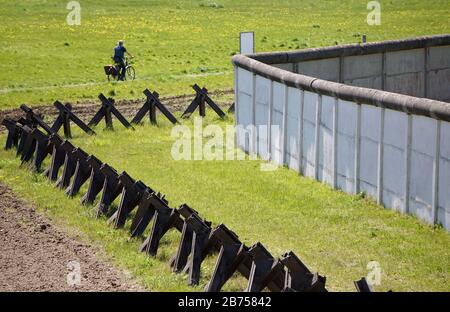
(128, 108)
(36, 256)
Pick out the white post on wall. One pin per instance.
(247, 42)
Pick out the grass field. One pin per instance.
(176, 43)
(334, 233)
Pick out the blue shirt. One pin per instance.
(119, 52)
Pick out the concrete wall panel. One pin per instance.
(439, 85)
(262, 91)
(244, 109)
(362, 66)
(292, 128)
(347, 124)
(438, 57)
(405, 61)
(370, 82)
(287, 66)
(394, 149)
(279, 97)
(393, 177)
(424, 135)
(244, 106)
(410, 84)
(326, 140)
(423, 147)
(395, 128)
(262, 115)
(369, 142)
(245, 78)
(327, 69)
(421, 185)
(309, 133)
(336, 152)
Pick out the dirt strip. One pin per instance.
(128, 108)
(36, 256)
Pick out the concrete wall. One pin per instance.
(398, 156)
(401, 160)
(423, 72)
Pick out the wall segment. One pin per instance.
(337, 122)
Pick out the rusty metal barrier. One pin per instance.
(201, 99)
(194, 245)
(266, 271)
(106, 111)
(58, 157)
(31, 143)
(165, 218)
(81, 173)
(36, 119)
(36, 147)
(63, 120)
(363, 286)
(144, 214)
(23, 134)
(179, 261)
(233, 257)
(299, 277)
(25, 143)
(132, 192)
(111, 189)
(232, 108)
(151, 104)
(13, 136)
(68, 166)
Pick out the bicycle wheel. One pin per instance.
(130, 73)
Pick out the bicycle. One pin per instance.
(114, 71)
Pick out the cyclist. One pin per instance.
(119, 58)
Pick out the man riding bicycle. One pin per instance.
(119, 58)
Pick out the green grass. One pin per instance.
(176, 43)
(333, 233)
